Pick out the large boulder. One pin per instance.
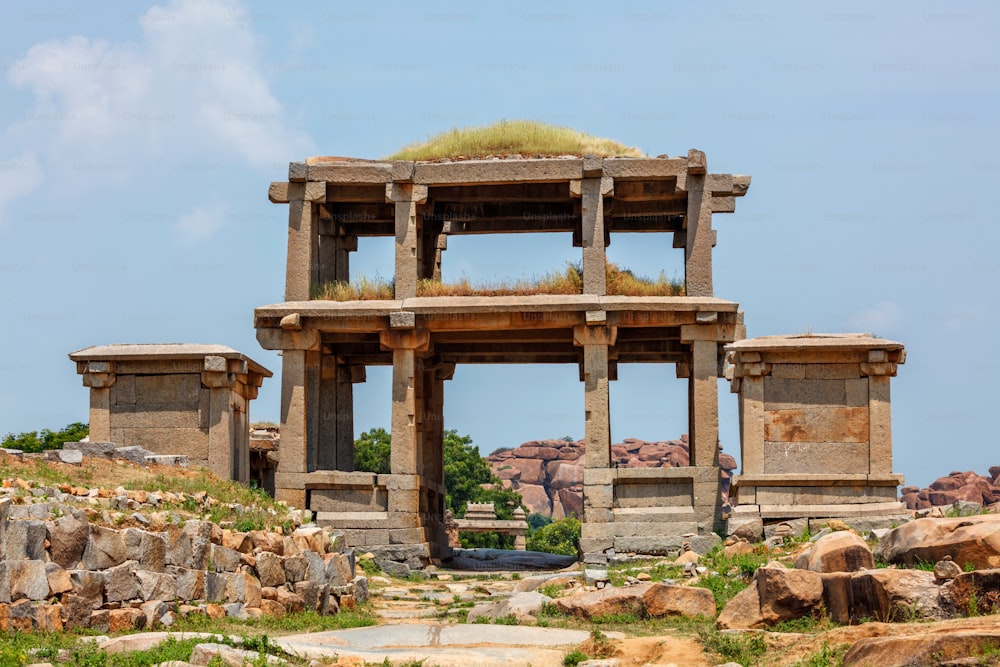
(930, 648)
(524, 607)
(892, 595)
(967, 540)
(776, 594)
(670, 600)
(604, 602)
(842, 551)
(67, 537)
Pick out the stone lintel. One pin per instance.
(159, 359)
(498, 171)
(817, 479)
(717, 332)
(280, 339)
(351, 171)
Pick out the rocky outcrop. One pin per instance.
(957, 487)
(549, 473)
(972, 541)
(944, 647)
(652, 600)
(776, 594)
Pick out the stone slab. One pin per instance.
(802, 457)
(817, 424)
(458, 645)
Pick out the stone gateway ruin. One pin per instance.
(814, 410)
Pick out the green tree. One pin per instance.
(559, 537)
(35, 441)
(371, 451)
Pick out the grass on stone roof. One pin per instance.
(513, 137)
(621, 282)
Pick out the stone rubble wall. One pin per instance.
(58, 570)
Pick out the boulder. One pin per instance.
(536, 499)
(841, 551)
(603, 602)
(776, 594)
(932, 648)
(891, 595)
(967, 540)
(523, 606)
(669, 600)
(563, 474)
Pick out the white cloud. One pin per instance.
(878, 319)
(191, 88)
(18, 176)
(201, 223)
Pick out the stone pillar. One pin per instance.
(703, 422)
(597, 426)
(301, 268)
(292, 453)
(405, 393)
(335, 449)
(751, 412)
(699, 238)
(100, 377)
(592, 192)
(879, 371)
(335, 256)
(434, 241)
(407, 196)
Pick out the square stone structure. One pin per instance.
(815, 426)
(326, 345)
(174, 399)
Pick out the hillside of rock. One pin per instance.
(549, 473)
(956, 487)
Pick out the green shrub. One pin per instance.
(38, 441)
(559, 537)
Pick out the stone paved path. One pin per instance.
(441, 645)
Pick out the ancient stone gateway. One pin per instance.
(174, 399)
(326, 345)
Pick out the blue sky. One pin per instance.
(137, 142)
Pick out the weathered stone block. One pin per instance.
(817, 424)
(26, 539)
(270, 569)
(67, 537)
(89, 586)
(58, 578)
(105, 548)
(223, 559)
(148, 549)
(156, 585)
(189, 584)
(120, 584)
(27, 579)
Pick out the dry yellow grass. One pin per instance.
(621, 282)
(513, 137)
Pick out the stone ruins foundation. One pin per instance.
(326, 345)
(186, 399)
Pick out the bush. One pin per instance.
(559, 537)
(35, 441)
(371, 451)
